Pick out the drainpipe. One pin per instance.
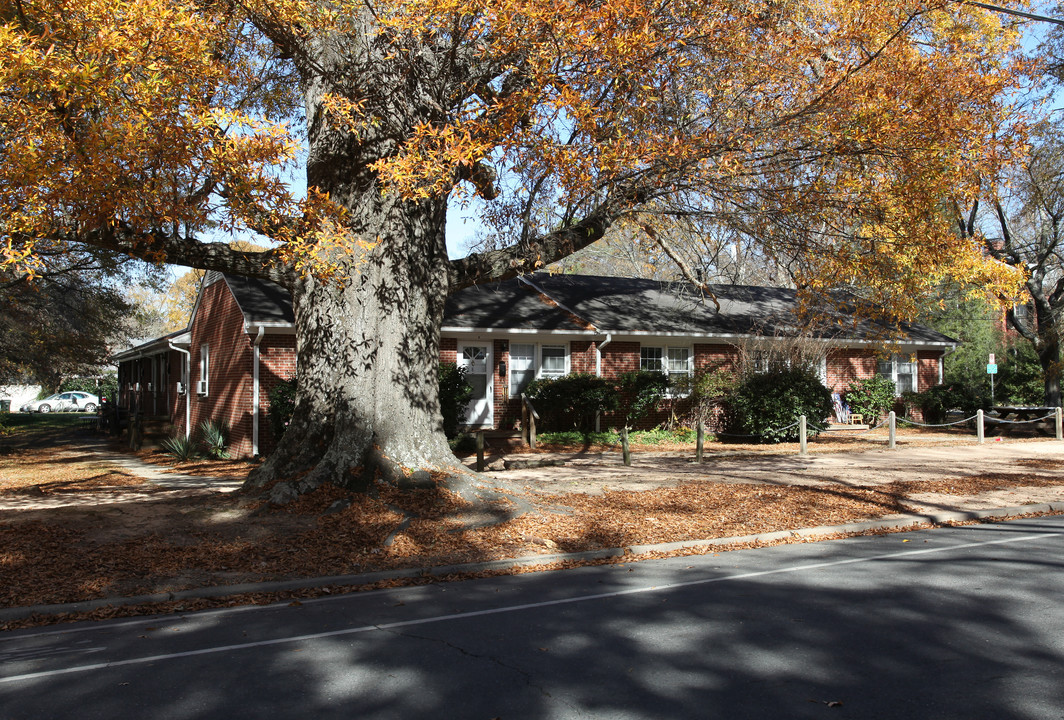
(598, 353)
(598, 372)
(188, 390)
(255, 393)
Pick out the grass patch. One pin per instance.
(15, 423)
(613, 437)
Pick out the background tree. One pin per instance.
(65, 320)
(825, 132)
(1025, 231)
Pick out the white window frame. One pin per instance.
(665, 349)
(537, 361)
(204, 370)
(895, 360)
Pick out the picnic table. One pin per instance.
(1007, 417)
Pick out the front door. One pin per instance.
(476, 359)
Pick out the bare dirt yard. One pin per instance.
(80, 520)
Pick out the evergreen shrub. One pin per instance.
(871, 397)
(762, 404)
(572, 401)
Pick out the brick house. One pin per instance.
(241, 341)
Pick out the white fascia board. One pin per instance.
(729, 338)
(516, 331)
(277, 327)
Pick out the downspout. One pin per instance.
(598, 353)
(598, 372)
(255, 393)
(188, 390)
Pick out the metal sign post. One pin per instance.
(991, 369)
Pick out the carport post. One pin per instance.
(892, 431)
(1059, 424)
(979, 425)
(803, 437)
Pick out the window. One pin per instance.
(552, 361)
(679, 365)
(675, 362)
(651, 358)
(522, 366)
(204, 366)
(902, 370)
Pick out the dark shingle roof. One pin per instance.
(617, 305)
(261, 301)
(637, 305)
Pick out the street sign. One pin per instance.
(991, 360)
(991, 369)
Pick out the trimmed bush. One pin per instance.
(455, 394)
(762, 404)
(935, 402)
(871, 397)
(572, 401)
(640, 392)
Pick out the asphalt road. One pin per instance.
(950, 623)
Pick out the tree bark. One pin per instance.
(367, 334)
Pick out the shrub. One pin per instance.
(871, 397)
(572, 401)
(762, 404)
(1021, 380)
(455, 394)
(179, 447)
(214, 437)
(639, 392)
(282, 405)
(706, 391)
(935, 402)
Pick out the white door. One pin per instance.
(476, 359)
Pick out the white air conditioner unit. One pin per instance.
(180, 388)
(201, 387)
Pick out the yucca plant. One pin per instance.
(179, 447)
(215, 439)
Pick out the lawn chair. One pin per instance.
(842, 410)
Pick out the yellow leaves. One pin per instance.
(117, 111)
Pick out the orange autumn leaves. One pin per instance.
(848, 121)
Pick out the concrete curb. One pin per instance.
(909, 520)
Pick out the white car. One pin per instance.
(74, 401)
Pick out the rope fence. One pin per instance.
(980, 419)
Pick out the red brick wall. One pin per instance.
(927, 369)
(277, 363)
(846, 365)
(220, 324)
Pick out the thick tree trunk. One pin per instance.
(368, 338)
(368, 352)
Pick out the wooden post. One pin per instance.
(700, 439)
(626, 453)
(979, 426)
(532, 429)
(480, 451)
(803, 436)
(525, 434)
(892, 431)
(1060, 424)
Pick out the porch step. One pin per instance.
(844, 427)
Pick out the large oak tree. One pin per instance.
(831, 131)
